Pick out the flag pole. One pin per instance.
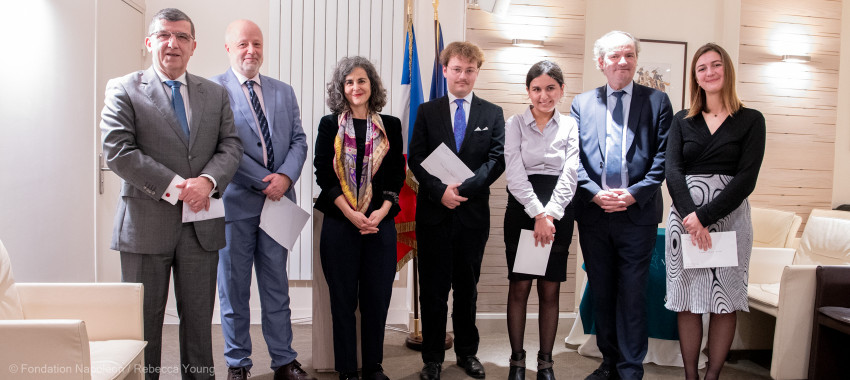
(414, 339)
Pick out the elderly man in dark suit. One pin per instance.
(163, 126)
(622, 138)
(453, 220)
(268, 121)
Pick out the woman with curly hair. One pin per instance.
(360, 169)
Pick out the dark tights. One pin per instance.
(548, 294)
(721, 331)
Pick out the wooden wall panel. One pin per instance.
(797, 100)
(502, 81)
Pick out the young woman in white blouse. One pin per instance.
(541, 156)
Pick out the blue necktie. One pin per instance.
(460, 123)
(264, 125)
(613, 163)
(179, 107)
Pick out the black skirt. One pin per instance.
(516, 219)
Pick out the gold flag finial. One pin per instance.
(436, 4)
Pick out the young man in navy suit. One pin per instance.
(453, 220)
(267, 119)
(622, 137)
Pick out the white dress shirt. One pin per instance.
(554, 151)
(627, 104)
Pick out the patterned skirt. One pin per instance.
(708, 290)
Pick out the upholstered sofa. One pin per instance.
(69, 331)
(782, 285)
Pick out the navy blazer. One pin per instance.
(244, 197)
(650, 116)
(483, 151)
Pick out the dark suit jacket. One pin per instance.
(244, 197)
(650, 115)
(145, 146)
(386, 183)
(482, 151)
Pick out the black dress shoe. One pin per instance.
(237, 373)
(348, 376)
(472, 366)
(375, 374)
(292, 371)
(431, 371)
(603, 373)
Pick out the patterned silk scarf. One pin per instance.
(345, 158)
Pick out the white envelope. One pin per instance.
(216, 211)
(723, 251)
(283, 221)
(530, 259)
(445, 165)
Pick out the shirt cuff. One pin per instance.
(534, 208)
(555, 210)
(215, 185)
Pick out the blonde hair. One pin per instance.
(728, 94)
(464, 49)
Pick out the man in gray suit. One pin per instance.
(169, 134)
(269, 124)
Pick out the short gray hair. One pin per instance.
(170, 14)
(336, 86)
(605, 44)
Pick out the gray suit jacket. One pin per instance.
(144, 144)
(244, 197)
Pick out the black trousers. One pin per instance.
(617, 253)
(449, 258)
(358, 269)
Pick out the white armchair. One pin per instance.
(771, 229)
(775, 228)
(782, 285)
(69, 331)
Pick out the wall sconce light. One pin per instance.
(527, 43)
(796, 58)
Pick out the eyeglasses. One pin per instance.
(459, 70)
(164, 35)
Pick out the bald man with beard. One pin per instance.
(268, 121)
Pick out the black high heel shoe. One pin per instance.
(544, 366)
(517, 371)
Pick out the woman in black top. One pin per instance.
(360, 169)
(714, 152)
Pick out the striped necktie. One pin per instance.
(264, 125)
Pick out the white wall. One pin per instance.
(211, 19)
(47, 139)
